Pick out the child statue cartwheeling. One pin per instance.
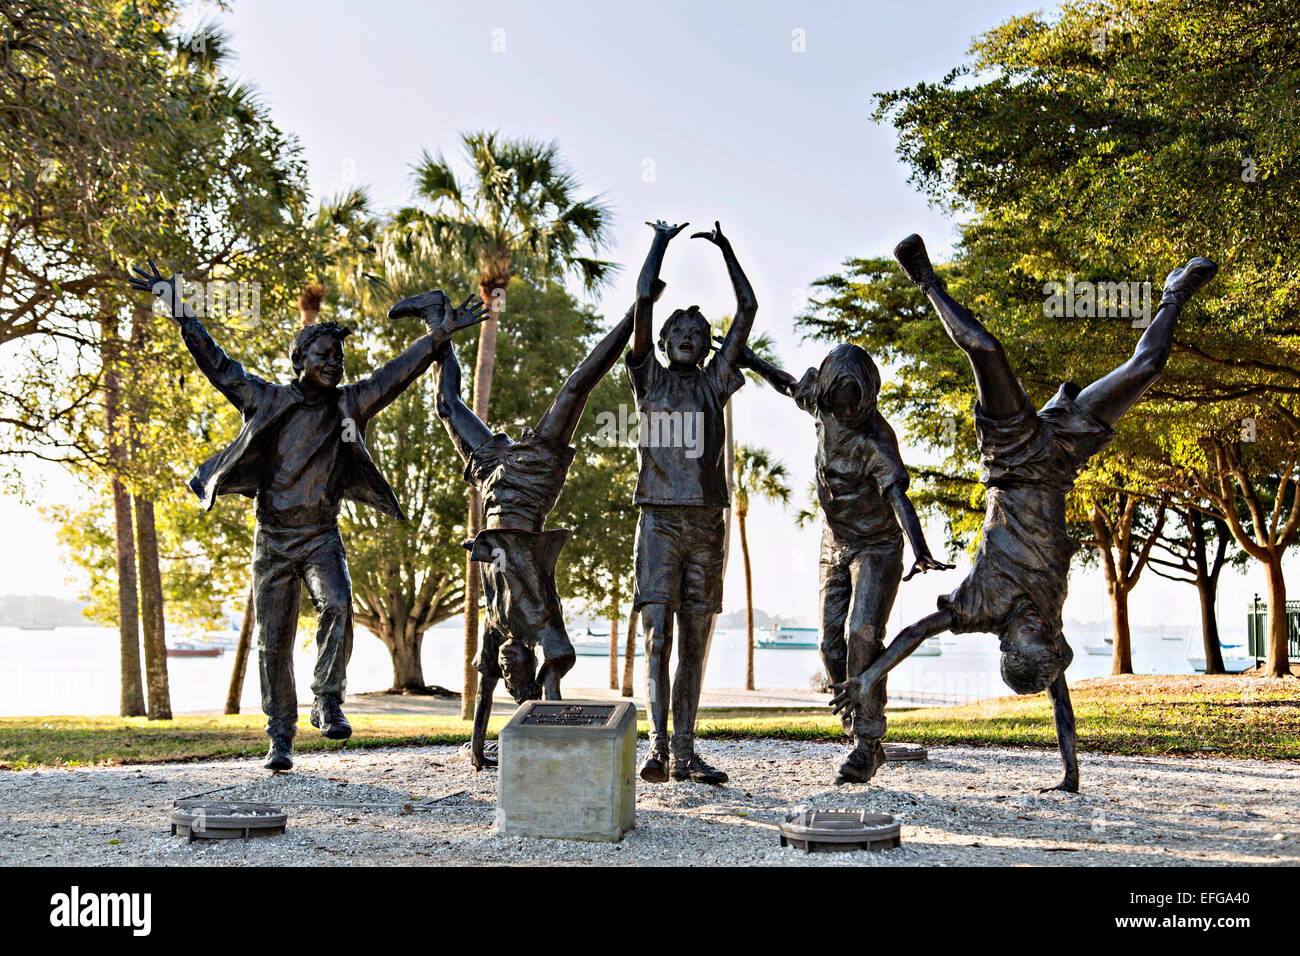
(1017, 585)
(681, 490)
(300, 453)
(519, 483)
(862, 490)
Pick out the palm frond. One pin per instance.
(759, 472)
(596, 273)
(435, 181)
(203, 49)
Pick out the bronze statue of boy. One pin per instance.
(300, 453)
(681, 492)
(862, 491)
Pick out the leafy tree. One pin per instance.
(119, 136)
(1111, 143)
(1186, 552)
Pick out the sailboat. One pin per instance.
(1235, 657)
(596, 644)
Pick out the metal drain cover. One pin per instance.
(227, 821)
(899, 753)
(829, 831)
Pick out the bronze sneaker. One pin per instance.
(915, 261)
(861, 764)
(697, 771)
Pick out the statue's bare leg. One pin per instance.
(657, 625)
(466, 429)
(1108, 398)
(999, 391)
(487, 684)
(561, 420)
(692, 649)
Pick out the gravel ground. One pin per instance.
(965, 805)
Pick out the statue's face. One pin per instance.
(845, 402)
(687, 343)
(1030, 655)
(322, 363)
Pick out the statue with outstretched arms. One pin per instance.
(300, 452)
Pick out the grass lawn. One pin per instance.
(1222, 716)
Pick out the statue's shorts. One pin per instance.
(679, 558)
(517, 569)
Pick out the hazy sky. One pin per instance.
(754, 114)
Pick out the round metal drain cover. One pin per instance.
(899, 753)
(829, 831)
(227, 821)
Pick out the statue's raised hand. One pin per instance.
(662, 228)
(164, 288)
(715, 236)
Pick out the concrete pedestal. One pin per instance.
(567, 769)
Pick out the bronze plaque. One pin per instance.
(560, 714)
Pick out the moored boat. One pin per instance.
(789, 637)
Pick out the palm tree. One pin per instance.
(341, 233)
(757, 473)
(516, 214)
(760, 345)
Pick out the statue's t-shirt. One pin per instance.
(520, 481)
(1030, 459)
(302, 485)
(856, 467)
(681, 434)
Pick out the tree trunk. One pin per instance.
(1210, 629)
(1122, 659)
(484, 364)
(128, 608)
(236, 691)
(629, 653)
(749, 603)
(309, 302)
(408, 667)
(1278, 663)
(613, 645)
(151, 611)
(471, 619)
(1207, 586)
(153, 623)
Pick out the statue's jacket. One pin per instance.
(238, 468)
